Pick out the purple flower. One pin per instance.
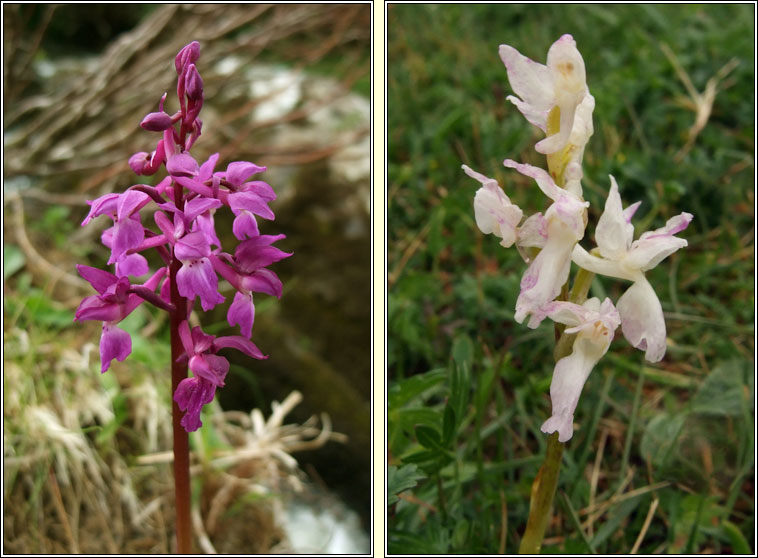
(209, 369)
(244, 205)
(196, 277)
(113, 303)
(242, 312)
(246, 272)
(190, 396)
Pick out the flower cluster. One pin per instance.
(555, 98)
(186, 241)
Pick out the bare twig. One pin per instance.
(700, 103)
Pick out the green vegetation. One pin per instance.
(662, 460)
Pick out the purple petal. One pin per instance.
(211, 368)
(239, 171)
(114, 343)
(260, 188)
(205, 224)
(103, 205)
(245, 226)
(251, 202)
(127, 234)
(201, 340)
(206, 169)
(98, 278)
(164, 224)
(183, 165)
(263, 281)
(197, 206)
(197, 277)
(185, 336)
(129, 202)
(131, 264)
(255, 253)
(242, 312)
(95, 308)
(190, 395)
(241, 344)
(192, 246)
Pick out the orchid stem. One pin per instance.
(541, 502)
(543, 489)
(181, 438)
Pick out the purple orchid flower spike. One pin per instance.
(183, 232)
(185, 239)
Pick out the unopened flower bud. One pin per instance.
(188, 55)
(138, 161)
(156, 122)
(193, 84)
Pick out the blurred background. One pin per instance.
(286, 86)
(662, 459)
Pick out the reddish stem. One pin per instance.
(181, 438)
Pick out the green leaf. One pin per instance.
(660, 437)
(429, 437)
(401, 479)
(448, 425)
(736, 538)
(617, 516)
(463, 350)
(404, 391)
(13, 260)
(460, 534)
(407, 419)
(726, 389)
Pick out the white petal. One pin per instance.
(544, 279)
(570, 82)
(493, 210)
(533, 232)
(582, 129)
(569, 376)
(654, 246)
(595, 320)
(530, 80)
(541, 176)
(614, 232)
(642, 320)
(566, 217)
(536, 115)
(601, 266)
(567, 66)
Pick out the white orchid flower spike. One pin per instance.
(641, 314)
(594, 324)
(561, 83)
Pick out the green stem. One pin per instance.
(543, 488)
(541, 502)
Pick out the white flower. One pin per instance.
(493, 210)
(562, 227)
(594, 325)
(641, 314)
(561, 83)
